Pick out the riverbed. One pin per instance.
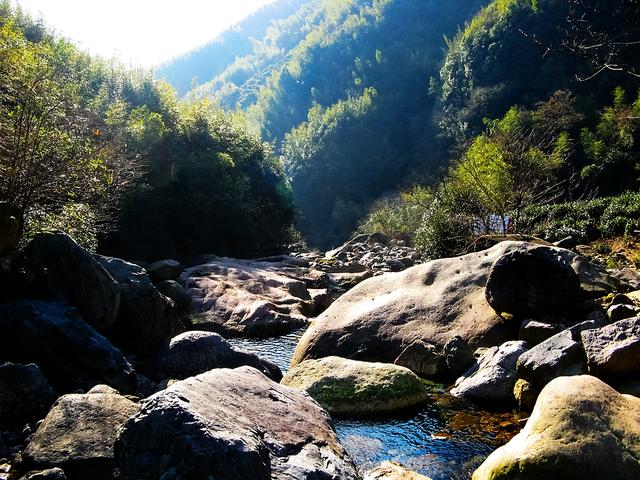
(446, 439)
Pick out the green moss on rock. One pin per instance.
(345, 386)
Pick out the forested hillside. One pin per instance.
(365, 97)
(114, 158)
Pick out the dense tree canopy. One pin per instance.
(112, 156)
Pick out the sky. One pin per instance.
(140, 32)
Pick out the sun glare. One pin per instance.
(140, 32)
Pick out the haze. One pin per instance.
(141, 32)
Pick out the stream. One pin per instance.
(447, 439)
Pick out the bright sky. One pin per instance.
(140, 32)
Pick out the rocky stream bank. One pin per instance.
(519, 361)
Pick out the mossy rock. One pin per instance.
(350, 387)
(580, 428)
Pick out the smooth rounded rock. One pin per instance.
(163, 270)
(146, 319)
(580, 428)
(345, 386)
(433, 302)
(78, 434)
(532, 281)
(193, 353)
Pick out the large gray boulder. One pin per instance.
(350, 387)
(25, 394)
(228, 425)
(58, 269)
(78, 434)
(613, 349)
(147, 319)
(432, 303)
(532, 281)
(494, 377)
(70, 353)
(192, 353)
(247, 298)
(580, 428)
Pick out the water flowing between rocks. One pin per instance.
(446, 439)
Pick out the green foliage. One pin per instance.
(58, 144)
(75, 219)
(221, 192)
(586, 220)
(431, 220)
(613, 147)
(113, 158)
(514, 164)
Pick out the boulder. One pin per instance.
(422, 358)
(595, 281)
(70, 353)
(494, 377)
(579, 429)
(58, 269)
(392, 471)
(103, 389)
(147, 319)
(48, 474)
(620, 311)
(532, 281)
(164, 270)
(534, 332)
(431, 302)
(556, 356)
(25, 394)
(458, 356)
(246, 298)
(613, 349)
(525, 394)
(350, 387)
(229, 425)
(176, 292)
(192, 353)
(78, 434)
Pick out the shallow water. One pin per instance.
(445, 440)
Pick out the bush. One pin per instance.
(585, 220)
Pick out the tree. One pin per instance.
(605, 33)
(514, 164)
(60, 142)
